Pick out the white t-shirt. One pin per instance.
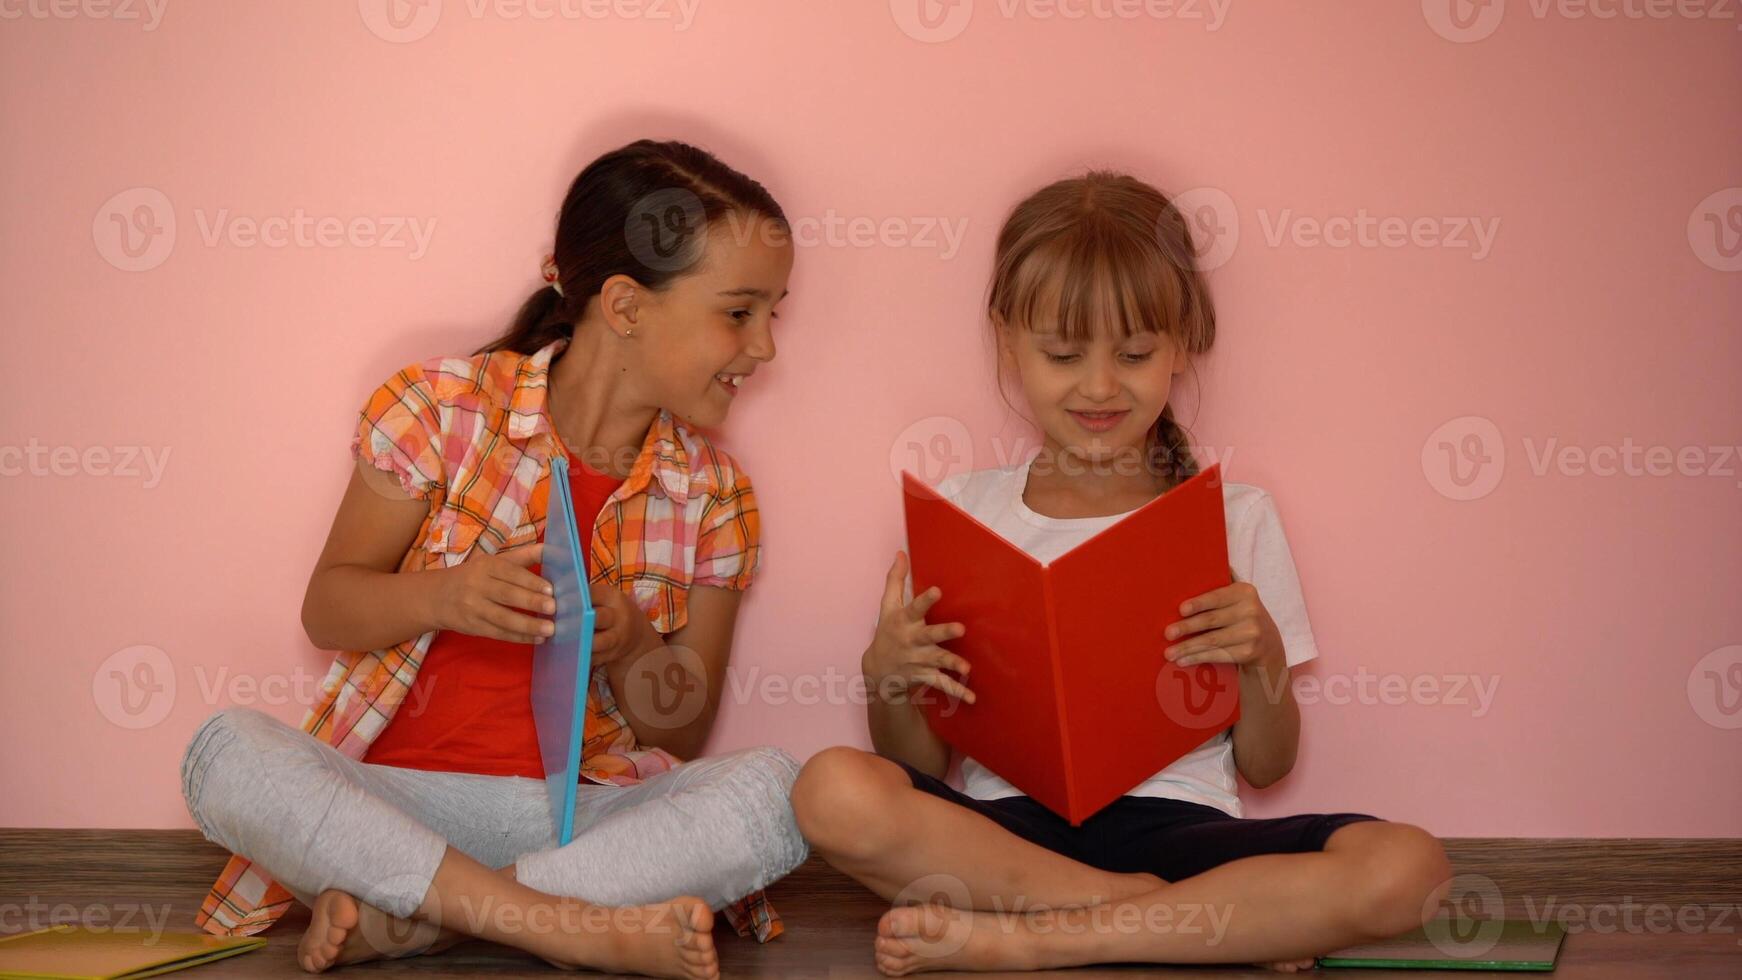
(1258, 553)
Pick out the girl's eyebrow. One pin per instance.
(753, 292)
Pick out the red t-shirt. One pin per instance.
(470, 708)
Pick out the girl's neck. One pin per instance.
(1064, 484)
(593, 404)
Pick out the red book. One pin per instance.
(1075, 703)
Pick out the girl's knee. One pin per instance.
(1402, 873)
(776, 763)
(218, 736)
(231, 745)
(840, 797)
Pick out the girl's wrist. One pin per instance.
(649, 638)
(1271, 661)
(429, 600)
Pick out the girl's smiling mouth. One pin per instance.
(1099, 421)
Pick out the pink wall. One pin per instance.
(1601, 317)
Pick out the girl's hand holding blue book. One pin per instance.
(620, 628)
(1228, 625)
(496, 596)
(905, 650)
(490, 595)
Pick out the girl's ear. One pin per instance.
(620, 304)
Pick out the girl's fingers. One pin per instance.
(1214, 655)
(1216, 646)
(524, 555)
(932, 677)
(923, 602)
(1227, 595)
(1199, 623)
(520, 577)
(603, 594)
(895, 582)
(942, 632)
(939, 657)
(520, 624)
(518, 597)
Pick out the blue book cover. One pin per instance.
(562, 666)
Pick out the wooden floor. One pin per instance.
(104, 875)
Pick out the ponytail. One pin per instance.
(641, 211)
(542, 319)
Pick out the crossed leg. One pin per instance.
(1025, 907)
(384, 882)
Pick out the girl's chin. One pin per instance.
(1092, 446)
(704, 415)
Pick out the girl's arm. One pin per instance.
(1267, 735)
(899, 731)
(1231, 625)
(669, 688)
(356, 600)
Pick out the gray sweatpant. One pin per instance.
(716, 828)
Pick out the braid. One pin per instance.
(1170, 455)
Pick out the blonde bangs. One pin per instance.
(1073, 262)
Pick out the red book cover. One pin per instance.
(1075, 703)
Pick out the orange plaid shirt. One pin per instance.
(472, 438)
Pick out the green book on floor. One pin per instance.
(1460, 944)
(66, 952)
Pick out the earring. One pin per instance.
(630, 332)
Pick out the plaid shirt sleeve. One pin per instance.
(399, 430)
(728, 545)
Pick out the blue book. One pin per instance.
(562, 666)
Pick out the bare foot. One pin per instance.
(343, 931)
(671, 939)
(920, 938)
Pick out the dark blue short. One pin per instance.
(1172, 839)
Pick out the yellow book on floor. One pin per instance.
(66, 952)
